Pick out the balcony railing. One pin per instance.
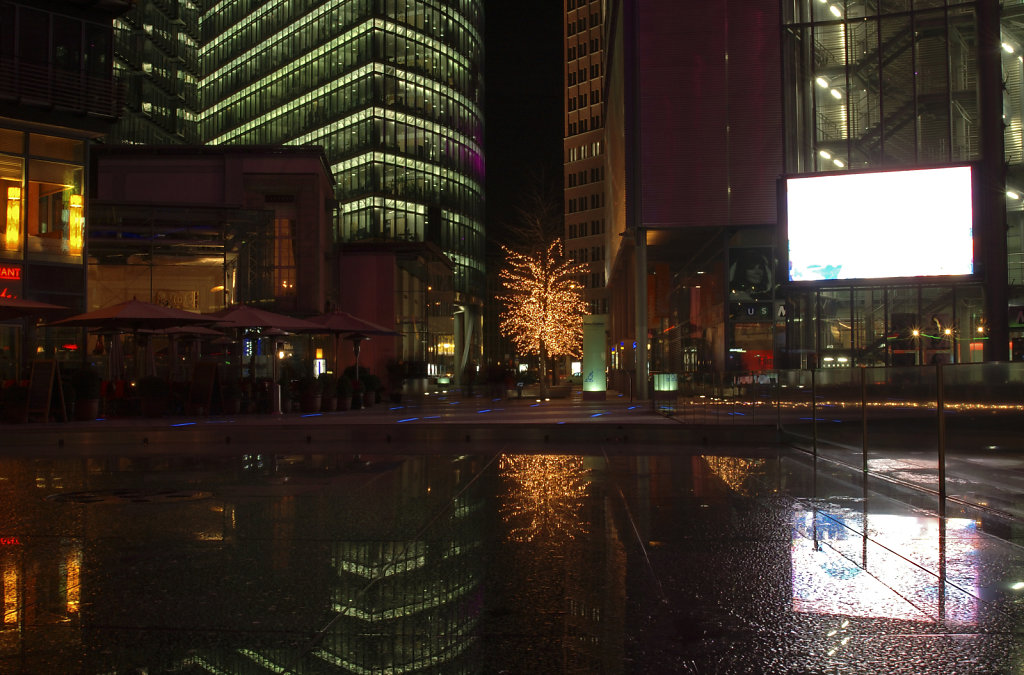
(46, 86)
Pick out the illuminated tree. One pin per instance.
(544, 304)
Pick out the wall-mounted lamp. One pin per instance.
(12, 239)
(75, 229)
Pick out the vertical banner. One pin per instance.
(594, 383)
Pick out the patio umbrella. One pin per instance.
(16, 308)
(245, 317)
(133, 316)
(355, 328)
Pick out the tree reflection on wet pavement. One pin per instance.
(513, 563)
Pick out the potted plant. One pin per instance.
(86, 384)
(287, 395)
(372, 389)
(329, 387)
(310, 394)
(344, 392)
(154, 395)
(396, 379)
(357, 394)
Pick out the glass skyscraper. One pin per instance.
(392, 89)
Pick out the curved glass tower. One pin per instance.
(393, 91)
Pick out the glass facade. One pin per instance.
(391, 89)
(156, 54)
(880, 84)
(909, 325)
(895, 85)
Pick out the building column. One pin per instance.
(640, 353)
(991, 192)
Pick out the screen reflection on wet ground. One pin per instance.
(505, 563)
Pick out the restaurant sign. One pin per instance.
(10, 281)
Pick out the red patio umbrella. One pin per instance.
(16, 308)
(133, 316)
(246, 316)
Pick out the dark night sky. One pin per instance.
(523, 106)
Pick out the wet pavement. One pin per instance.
(565, 537)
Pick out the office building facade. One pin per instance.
(690, 171)
(583, 147)
(696, 181)
(393, 91)
(903, 86)
(156, 55)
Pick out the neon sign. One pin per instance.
(10, 272)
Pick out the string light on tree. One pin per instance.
(544, 304)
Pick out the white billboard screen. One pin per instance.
(880, 225)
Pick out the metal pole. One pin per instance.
(864, 415)
(940, 406)
(640, 290)
(814, 417)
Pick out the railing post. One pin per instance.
(814, 416)
(940, 406)
(864, 415)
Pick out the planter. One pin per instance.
(310, 403)
(232, 406)
(87, 409)
(329, 403)
(153, 406)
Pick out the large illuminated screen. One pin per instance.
(880, 225)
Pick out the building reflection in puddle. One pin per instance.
(333, 562)
(293, 563)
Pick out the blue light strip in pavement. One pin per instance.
(408, 419)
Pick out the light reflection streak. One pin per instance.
(74, 592)
(833, 572)
(713, 402)
(11, 579)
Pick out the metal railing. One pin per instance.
(955, 430)
(43, 85)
